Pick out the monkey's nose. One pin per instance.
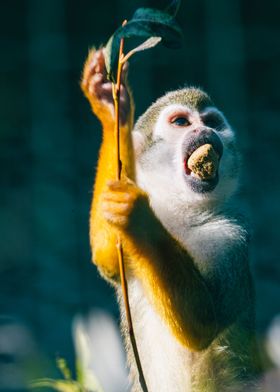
(202, 131)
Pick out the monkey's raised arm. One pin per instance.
(98, 91)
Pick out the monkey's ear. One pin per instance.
(139, 141)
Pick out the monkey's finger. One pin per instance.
(100, 89)
(106, 91)
(124, 105)
(118, 197)
(124, 116)
(116, 208)
(107, 86)
(95, 84)
(126, 67)
(123, 185)
(89, 66)
(99, 61)
(119, 187)
(94, 64)
(124, 97)
(120, 221)
(125, 73)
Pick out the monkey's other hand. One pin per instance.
(123, 204)
(98, 89)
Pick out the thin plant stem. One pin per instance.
(116, 96)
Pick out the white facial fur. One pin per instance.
(159, 166)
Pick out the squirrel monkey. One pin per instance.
(185, 246)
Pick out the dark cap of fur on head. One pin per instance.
(192, 97)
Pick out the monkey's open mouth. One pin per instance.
(201, 161)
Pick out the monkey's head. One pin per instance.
(167, 137)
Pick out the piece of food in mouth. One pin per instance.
(204, 162)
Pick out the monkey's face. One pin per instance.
(165, 155)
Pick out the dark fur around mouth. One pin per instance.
(192, 143)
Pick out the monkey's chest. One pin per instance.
(166, 363)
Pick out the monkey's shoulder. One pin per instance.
(215, 239)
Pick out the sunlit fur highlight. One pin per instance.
(186, 258)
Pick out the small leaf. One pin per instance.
(145, 23)
(173, 7)
(148, 44)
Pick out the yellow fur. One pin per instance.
(110, 214)
(102, 237)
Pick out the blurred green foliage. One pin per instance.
(68, 384)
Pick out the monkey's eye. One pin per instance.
(180, 121)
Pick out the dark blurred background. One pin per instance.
(50, 140)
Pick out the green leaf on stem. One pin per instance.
(146, 23)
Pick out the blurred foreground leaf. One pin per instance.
(58, 385)
(84, 383)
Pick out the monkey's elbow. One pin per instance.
(107, 262)
(200, 338)
(201, 344)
